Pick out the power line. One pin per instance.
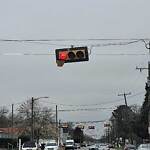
(44, 41)
(89, 39)
(96, 103)
(48, 54)
(61, 104)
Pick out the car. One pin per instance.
(83, 144)
(129, 147)
(52, 145)
(77, 146)
(94, 147)
(103, 146)
(143, 147)
(111, 145)
(30, 146)
(70, 144)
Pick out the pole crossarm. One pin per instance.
(124, 94)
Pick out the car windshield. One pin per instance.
(51, 144)
(103, 144)
(131, 146)
(69, 143)
(146, 146)
(29, 145)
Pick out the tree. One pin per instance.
(4, 121)
(42, 119)
(122, 122)
(78, 135)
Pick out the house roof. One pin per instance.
(9, 130)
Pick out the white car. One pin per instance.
(144, 147)
(51, 146)
(103, 146)
(30, 146)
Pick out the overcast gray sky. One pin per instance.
(97, 83)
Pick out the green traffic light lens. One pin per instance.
(80, 54)
(71, 55)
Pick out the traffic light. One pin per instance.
(80, 127)
(69, 55)
(106, 125)
(65, 128)
(91, 127)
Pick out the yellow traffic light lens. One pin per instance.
(80, 54)
(71, 55)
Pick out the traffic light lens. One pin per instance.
(80, 54)
(71, 55)
(62, 55)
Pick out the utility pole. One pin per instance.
(32, 115)
(128, 119)
(57, 131)
(60, 138)
(12, 119)
(56, 119)
(32, 128)
(124, 94)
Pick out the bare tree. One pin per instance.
(3, 117)
(35, 119)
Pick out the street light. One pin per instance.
(32, 111)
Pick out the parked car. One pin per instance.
(144, 147)
(52, 145)
(30, 146)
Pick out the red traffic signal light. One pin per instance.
(91, 127)
(68, 55)
(106, 125)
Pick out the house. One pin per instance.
(9, 133)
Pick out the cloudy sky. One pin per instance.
(92, 85)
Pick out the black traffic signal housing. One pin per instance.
(69, 55)
(91, 127)
(65, 128)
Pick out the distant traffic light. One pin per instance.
(80, 127)
(65, 128)
(91, 127)
(106, 125)
(69, 55)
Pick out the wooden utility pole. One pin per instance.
(57, 126)
(124, 94)
(12, 120)
(32, 128)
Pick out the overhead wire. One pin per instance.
(96, 103)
